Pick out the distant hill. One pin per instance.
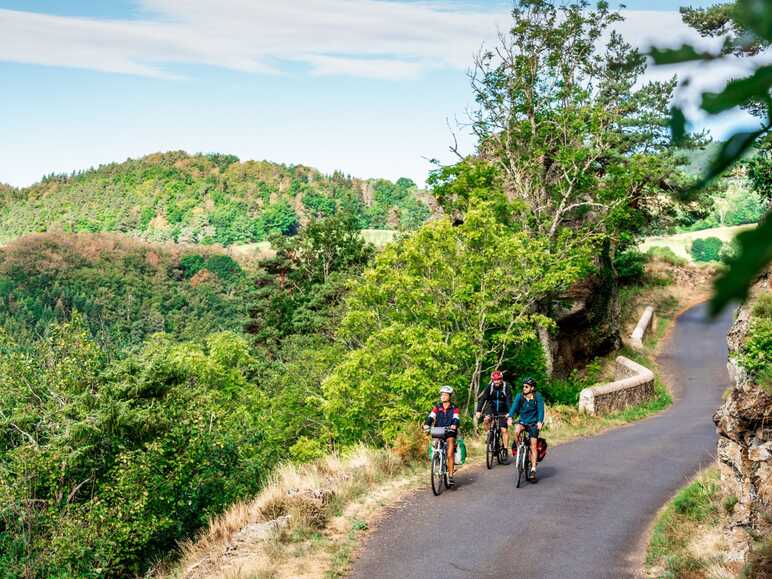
(210, 198)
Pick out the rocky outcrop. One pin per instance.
(744, 424)
(588, 322)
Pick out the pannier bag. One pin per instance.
(459, 456)
(541, 449)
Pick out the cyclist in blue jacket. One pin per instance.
(529, 405)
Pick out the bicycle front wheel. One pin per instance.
(490, 450)
(519, 465)
(437, 474)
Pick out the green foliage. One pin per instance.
(755, 252)
(576, 140)
(305, 281)
(439, 307)
(104, 466)
(276, 218)
(125, 289)
(306, 449)
(224, 266)
(755, 354)
(566, 390)
(200, 199)
(630, 265)
(706, 249)
(695, 501)
(191, 264)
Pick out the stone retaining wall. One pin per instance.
(633, 384)
(646, 322)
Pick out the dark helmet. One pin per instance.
(530, 381)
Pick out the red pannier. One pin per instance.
(541, 449)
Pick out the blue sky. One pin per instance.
(365, 86)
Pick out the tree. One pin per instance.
(445, 304)
(750, 22)
(576, 143)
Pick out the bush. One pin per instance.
(191, 265)
(707, 249)
(306, 449)
(145, 450)
(630, 265)
(667, 255)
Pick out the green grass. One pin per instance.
(695, 508)
(679, 244)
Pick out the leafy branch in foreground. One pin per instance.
(748, 24)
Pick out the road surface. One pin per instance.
(595, 497)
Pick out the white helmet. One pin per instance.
(446, 390)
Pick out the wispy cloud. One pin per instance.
(363, 38)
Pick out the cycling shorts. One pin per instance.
(533, 430)
(502, 420)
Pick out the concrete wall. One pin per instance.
(633, 384)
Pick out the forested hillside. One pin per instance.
(204, 199)
(125, 289)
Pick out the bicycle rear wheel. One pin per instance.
(490, 449)
(437, 474)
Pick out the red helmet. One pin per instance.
(496, 376)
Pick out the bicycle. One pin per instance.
(439, 459)
(523, 457)
(494, 446)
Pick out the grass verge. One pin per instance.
(688, 540)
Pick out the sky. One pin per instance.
(368, 87)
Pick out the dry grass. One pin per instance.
(298, 518)
(688, 540)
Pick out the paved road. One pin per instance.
(594, 500)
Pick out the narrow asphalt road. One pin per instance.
(595, 498)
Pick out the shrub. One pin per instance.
(666, 254)
(191, 265)
(306, 449)
(707, 249)
(630, 265)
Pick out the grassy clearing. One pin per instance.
(680, 243)
(688, 539)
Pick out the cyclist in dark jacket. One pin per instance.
(446, 414)
(497, 398)
(530, 406)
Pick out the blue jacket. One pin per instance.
(530, 411)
